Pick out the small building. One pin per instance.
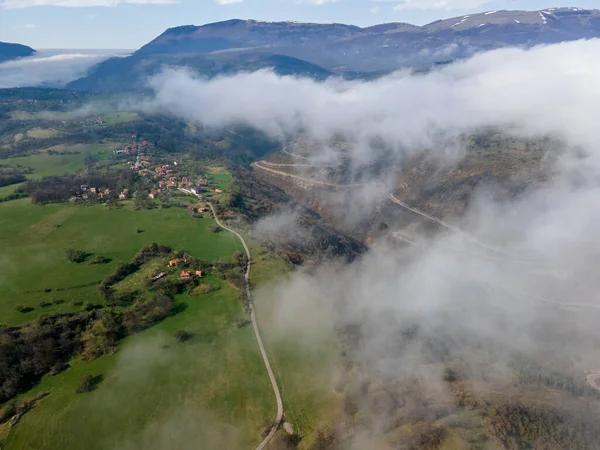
(198, 273)
(218, 191)
(159, 276)
(185, 274)
(93, 190)
(174, 262)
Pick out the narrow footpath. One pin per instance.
(279, 416)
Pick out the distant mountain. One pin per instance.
(13, 51)
(320, 49)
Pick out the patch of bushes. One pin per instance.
(100, 260)
(24, 309)
(76, 256)
(182, 336)
(88, 383)
(102, 336)
(13, 411)
(29, 353)
(215, 228)
(145, 312)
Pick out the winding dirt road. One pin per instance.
(279, 415)
(592, 380)
(310, 181)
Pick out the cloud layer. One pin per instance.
(500, 88)
(47, 69)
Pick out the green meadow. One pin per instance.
(209, 392)
(46, 164)
(221, 178)
(34, 239)
(303, 353)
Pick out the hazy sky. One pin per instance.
(131, 23)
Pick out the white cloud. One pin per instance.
(47, 69)
(375, 10)
(436, 4)
(229, 2)
(30, 25)
(15, 4)
(499, 87)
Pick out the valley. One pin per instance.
(295, 235)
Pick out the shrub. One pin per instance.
(215, 228)
(100, 260)
(58, 368)
(182, 336)
(24, 309)
(76, 256)
(86, 384)
(45, 304)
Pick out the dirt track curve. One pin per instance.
(279, 416)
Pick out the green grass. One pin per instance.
(305, 358)
(7, 190)
(44, 164)
(210, 392)
(33, 241)
(120, 117)
(110, 118)
(221, 178)
(41, 115)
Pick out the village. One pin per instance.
(161, 176)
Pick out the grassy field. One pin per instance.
(221, 178)
(110, 118)
(33, 241)
(7, 190)
(41, 115)
(45, 164)
(120, 117)
(41, 133)
(210, 392)
(305, 359)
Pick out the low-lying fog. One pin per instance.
(52, 68)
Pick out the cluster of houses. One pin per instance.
(91, 191)
(185, 274)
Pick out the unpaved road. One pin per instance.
(592, 380)
(261, 165)
(279, 415)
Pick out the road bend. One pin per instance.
(279, 415)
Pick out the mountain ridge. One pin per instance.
(9, 51)
(239, 45)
